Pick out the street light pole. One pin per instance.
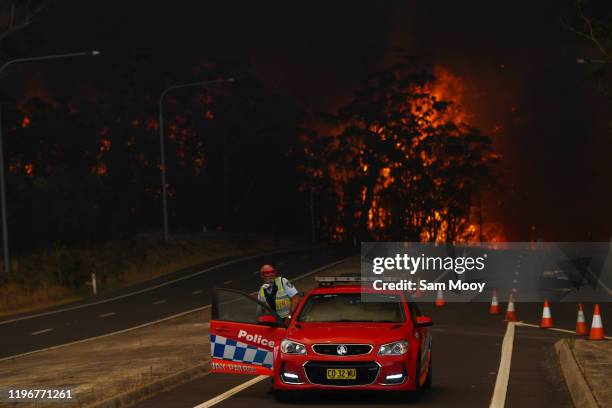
(5, 243)
(162, 148)
(592, 61)
(5, 237)
(48, 57)
(162, 153)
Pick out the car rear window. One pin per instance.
(349, 307)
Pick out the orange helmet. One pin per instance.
(267, 271)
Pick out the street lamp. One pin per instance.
(161, 141)
(592, 61)
(5, 238)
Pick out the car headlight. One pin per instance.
(397, 348)
(292, 347)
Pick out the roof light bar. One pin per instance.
(340, 278)
(330, 280)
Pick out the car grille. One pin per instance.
(316, 372)
(351, 349)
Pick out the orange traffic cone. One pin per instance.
(440, 302)
(510, 313)
(546, 321)
(581, 327)
(494, 308)
(597, 330)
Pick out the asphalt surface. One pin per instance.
(146, 302)
(466, 354)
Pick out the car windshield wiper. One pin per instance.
(305, 320)
(340, 321)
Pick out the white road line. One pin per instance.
(227, 282)
(212, 268)
(159, 302)
(552, 328)
(197, 292)
(229, 393)
(503, 373)
(103, 315)
(174, 316)
(36, 333)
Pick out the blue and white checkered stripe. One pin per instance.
(232, 350)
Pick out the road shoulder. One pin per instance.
(585, 366)
(535, 375)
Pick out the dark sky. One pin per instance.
(514, 58)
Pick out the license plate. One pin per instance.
(341, 374)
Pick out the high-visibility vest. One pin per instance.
(282, 301)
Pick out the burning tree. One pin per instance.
(87, 168)
(403, 163)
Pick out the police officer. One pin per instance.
(277, 292)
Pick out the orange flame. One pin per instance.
(447, 90)
(101, 169)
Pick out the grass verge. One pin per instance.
(63, 274)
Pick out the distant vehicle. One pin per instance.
(334, 340)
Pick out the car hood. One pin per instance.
(367, 333)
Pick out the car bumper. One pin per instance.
(308, 373)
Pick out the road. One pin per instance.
(153, 300)
(466, 352)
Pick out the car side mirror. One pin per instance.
(267, 320)
(423, 321)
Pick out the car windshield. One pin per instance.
(349, 307)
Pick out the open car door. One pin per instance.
(422, 324)
(244, 333)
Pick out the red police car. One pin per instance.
(334, 340)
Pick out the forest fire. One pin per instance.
(417, 164)
(403, 162)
